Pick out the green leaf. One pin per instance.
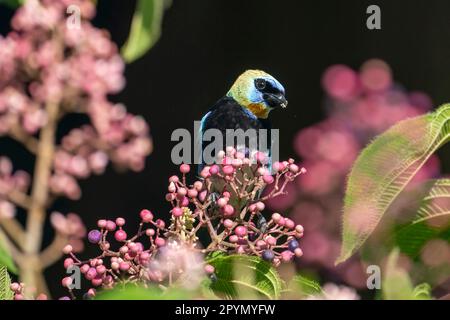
(12, 3)
(304, 286)
(5, 256)
(422, 291)
(383, 170)
(245, 276)
(145, 29)
(5, 283)
(435, 205)
(133, 292)
(396, 284)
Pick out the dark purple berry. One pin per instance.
(293, 244)
(94, 236)
(268, 255)
(252, 236)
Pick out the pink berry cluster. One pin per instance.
(227, 202)
(52, 67)
(360, 104)
(150, 255)
(21, 292)
(172, 253)
(45, 61)
(12, 184)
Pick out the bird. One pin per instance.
(246, 105)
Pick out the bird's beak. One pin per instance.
(275, 100)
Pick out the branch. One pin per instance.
(15, 230)
(21, 136)
(20, 199)
(53, 252)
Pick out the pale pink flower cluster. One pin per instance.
(44, 61)
(10, 184)
(333, 291)
(360, 105)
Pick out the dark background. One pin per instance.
(206, 44)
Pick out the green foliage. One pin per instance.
(422, 291)
(133, 292)
(435, 205)
(5, 256)
(383, 170)
(5, 282)
(240, 276)
(145, 29)
(304, 287)
(397, 285)
(12, 3)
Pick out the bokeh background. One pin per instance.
(206, 44)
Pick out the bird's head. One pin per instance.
(259, 92)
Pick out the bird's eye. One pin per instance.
(260, 84)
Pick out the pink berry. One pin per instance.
(91, 274)
(182, 192)
(68, 263)
(268, 179)
(110, 225)
(276, 217)
(293, 168)
(42, 297)
(228, 210)
(228, 170)
(192, 193)
(298, 252)
(14, 286)
(101, 269)
(124, 266)
(67, 249)
(260, 206)
(185, 168)
(66, 282)
(160, 224)
(172, 187)
(177, 212)
(160, 242)
(227, 223)
(170, 197)
(184, 202)
(281, 222)
(198, 185)
(202, 195)
(97, 282)
(120, 222)
(205, 172)
(209, 269)
(84, 268)
(174, 179)
(120, 235)
(286, 256)
(226, 194)
(234, 238)
(299, 228)
(150, 232)
(240, 231)
(271, 241)
(288, 223)
(214, 169)
(222, 202)
(101, 224)
(146, 215)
